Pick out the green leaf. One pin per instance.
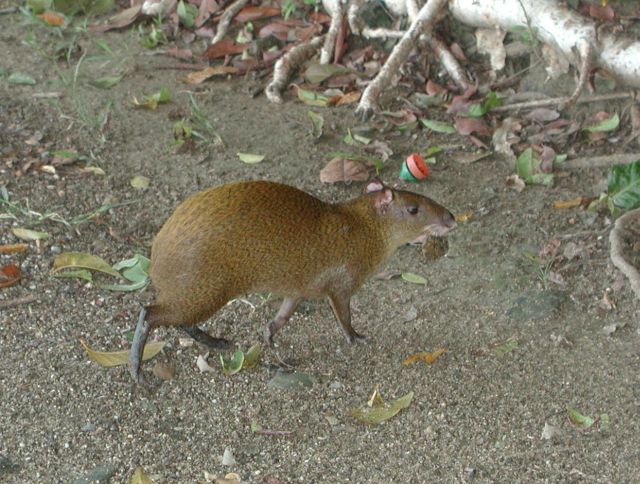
(250, 158)
(105, 82)
(438, 126)
(79, 274)
(187, 14)
(19, 78)
(252, 356)
(528, 168)
(26, 234)
(312, 98)
(624, 185)
(505, 347)
(318, 124)
(579, 420)
(75, 260)
(377, 414)
(316, 73)
(291, 381)
(233, 365)
(136, 269)
(139, 182)
(413, 278)
(609, 124)
(123, 287)
(475, 111)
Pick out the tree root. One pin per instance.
(287, 63)
(615, 239)
(227, 17)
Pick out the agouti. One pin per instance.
(258, 236)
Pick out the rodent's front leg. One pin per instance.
(341, 308)
(287, 308)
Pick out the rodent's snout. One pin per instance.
(448, 220)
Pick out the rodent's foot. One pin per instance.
(364, 112)
(267, 336)
(357, 338)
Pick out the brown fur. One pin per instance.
(252, 237)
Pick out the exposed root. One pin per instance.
(586, 64)
(422, 24)
(289, 62)
(615, 239)
(555, 101)
(334, 7)
(227, 17)
(600, 161)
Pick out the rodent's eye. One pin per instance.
(412, 210)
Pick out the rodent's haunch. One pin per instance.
(258, 236)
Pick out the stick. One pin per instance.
(600, 161)
(557, 101)
(225, 20)
(18, 301)
(615, 239)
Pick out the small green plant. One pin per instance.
(155, 36)
(289, 7)
(197, 127)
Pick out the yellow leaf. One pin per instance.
(200, 76)
(117, 358)
(574, 202)
(139, 477)
(73, 260)
(463, 217)
(428, 358)
(375, 415)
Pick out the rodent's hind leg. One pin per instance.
(341, 308)
(137, 347)
(287, 308)
(205, 338)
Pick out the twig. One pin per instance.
(600, 161)
(553, 101)
(17, 302)
(615, 239)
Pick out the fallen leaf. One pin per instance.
(68, 260)
(250, 158)
(232, 365)
(139, 477)
(515, 182)
(348, 98)
(466, 126)
(375, 415)
(291, 380)
(318, 124)
(118, 21)
(602, 123)
(198, 77)
(549, 432)
(312, 98)
(438, 126)
(140, 182)
(249, 14)
(153, 100)
(413, 278)
(500, 349)
(542, 115)
(9, 275)
(564, 204)
(579, 420)
(224, 48)
(105, 82)
(52, 18)
(344, 170)
(13, 248)
(20, 78)
(316, 73)
(202, 364)
(26, 234)
(428, 358)
(108, 359)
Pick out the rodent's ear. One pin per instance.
(383, 200)
(374, 185)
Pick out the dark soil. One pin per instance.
(476, 413)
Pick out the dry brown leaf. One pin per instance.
(348, 98)
(224, 48)
(199, 77)
(13, 248)
(428, 358)
(564, 204)
(119, 20)
(52, 18)
(9, 275)
(343, 170)
(249, 14)
(466, 126)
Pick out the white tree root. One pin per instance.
(334, 8)
(422, 24)
(227, 17)
(289, 62)
(616, 252)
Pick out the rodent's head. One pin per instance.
(412, 217)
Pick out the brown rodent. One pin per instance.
(258, 236)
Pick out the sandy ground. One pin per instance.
(476, 414)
